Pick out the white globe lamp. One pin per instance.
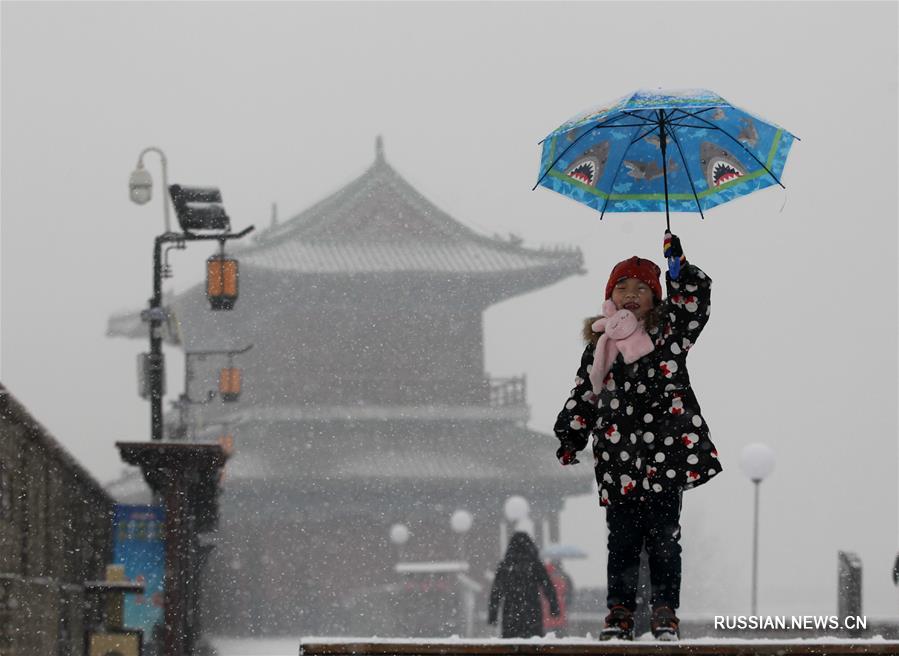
(757, 461)
(399, 534)
(517, 508)
(461, 521)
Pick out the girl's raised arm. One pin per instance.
(689, 301)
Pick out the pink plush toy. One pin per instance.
(622, 333)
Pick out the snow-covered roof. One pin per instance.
(14, 413)
(380, 223)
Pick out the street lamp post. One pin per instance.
(757, 461)
(185, 477)
(461, 522)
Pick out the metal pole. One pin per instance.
(755, 546)
(165, 181)
(156, 372)
(156, 317)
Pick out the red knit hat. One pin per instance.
(635, 267)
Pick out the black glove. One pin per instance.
(674, 254)
(567, 454)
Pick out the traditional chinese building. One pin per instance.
(365, 403)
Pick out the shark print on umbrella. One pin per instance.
(719, 164)
(589, 167)
(748, 134)
(647, 170)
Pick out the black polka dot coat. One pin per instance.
(648, 431)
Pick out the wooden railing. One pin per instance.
(507, 391)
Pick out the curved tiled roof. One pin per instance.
(335, 257)
(380, 223)
(377, 224)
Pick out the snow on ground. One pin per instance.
(257, 646)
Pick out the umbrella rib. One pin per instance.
(562, 154)
(614, 178)
(642, 118)
(695, 127)
(623, 125)
(600, 127)
(686, 170)
(681, 110)
(644, 134)
(740, 144)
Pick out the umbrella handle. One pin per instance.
(674, 267)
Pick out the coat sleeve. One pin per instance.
(689, 301)
(549, 590)
(496, 594)
(579, 413)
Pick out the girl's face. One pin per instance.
(634, 295)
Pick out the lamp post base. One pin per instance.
(185, 476)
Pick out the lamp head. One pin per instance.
(516, 508)
(461, 521)
(140, 185)
(757, 461)
(399, 534)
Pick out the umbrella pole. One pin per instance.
(662, 145)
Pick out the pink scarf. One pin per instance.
(622, 333)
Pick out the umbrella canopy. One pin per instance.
(653, 151)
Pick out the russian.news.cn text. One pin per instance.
(793, 622)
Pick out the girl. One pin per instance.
(650, 442)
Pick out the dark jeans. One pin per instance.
(656, 520)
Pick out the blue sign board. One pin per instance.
(139, 546)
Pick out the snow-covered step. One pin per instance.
(587, 647)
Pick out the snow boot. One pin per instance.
(619, 624)
(664, 624)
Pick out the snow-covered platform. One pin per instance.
(586, 647)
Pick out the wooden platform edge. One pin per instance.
(765, 647)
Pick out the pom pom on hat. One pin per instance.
(645, 271)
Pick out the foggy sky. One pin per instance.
(282, 102)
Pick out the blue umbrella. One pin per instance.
(677, 151)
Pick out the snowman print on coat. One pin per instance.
(647, 427)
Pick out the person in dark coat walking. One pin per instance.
(519, 580)
(633, 395)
